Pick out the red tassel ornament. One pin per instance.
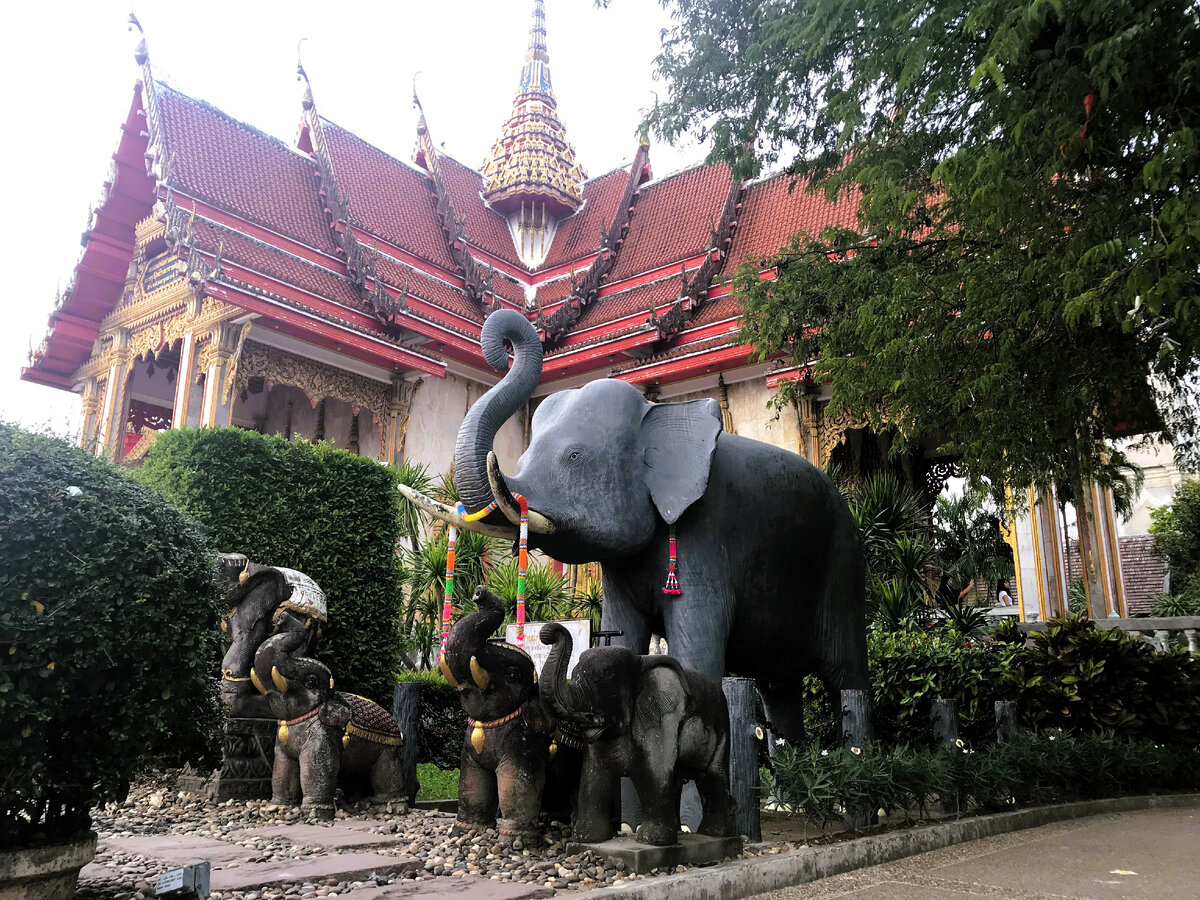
(671, 588)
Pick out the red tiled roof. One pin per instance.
(771, 214)
(241, 170)
(505, 287)
(676, 352)
(553, 291)
(436, 292)
(714, 311)
(387, 197)
(486, 229)
(276, 264)
(625, 303)
(580, 234)
(1142, 573)
(673, 220)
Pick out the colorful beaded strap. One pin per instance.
(671, 588)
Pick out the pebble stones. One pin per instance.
(155, 808)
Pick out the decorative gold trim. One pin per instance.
(317, 380)
(375, 737)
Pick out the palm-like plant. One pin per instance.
(416, 476)
(547, 593)
(968, 539)
(588, 603)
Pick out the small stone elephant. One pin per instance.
(326, 738)
(507, 745)
(648, 718)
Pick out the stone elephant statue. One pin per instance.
(507, 746)
(768, 582)
(648, 718)
(326, 738)
(264, 600)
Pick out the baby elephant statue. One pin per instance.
(648, 718)
(507, 746)
(326, 738)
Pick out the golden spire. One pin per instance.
(532, 173)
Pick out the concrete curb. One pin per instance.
(747, 877)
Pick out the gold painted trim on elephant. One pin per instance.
(389, 740)
(299, 608)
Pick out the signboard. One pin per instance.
(189, 883)
(581, 639)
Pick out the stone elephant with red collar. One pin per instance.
(325, 739)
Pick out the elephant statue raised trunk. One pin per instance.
(769, 568)
(648, 718)
(325, 738)
(507, 745)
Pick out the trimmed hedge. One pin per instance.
(328, 513)
(441, 719)
(109, 643)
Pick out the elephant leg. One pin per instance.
(785, 710)
(477, 797)
(720, 810)
(660, 808)
(319, 765)
(593, 815)
(285, 779)
(520, 788)
(387, 776)
(623, 612)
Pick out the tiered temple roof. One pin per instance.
(397, 263)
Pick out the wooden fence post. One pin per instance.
(1006, 720)
(944, 715)
(744, 736)
(856, 733)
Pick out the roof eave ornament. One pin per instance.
(306, 99)
(140, 53)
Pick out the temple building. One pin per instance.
(325, 289)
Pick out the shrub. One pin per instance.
(108, 637)
(441, 719)
(909, 670)
(1079, 677)
(329, 513)
(1030, 769)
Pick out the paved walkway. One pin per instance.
(1150, 854)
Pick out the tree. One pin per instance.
(969, 542)
(1176, 530)
(1028, 246)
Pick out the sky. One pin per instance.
(67, 75)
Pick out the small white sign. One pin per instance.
(581, 639)
(171, 880)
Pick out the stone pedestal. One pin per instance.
(692, 850)
(247, 757)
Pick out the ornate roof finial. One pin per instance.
(533, 165)
(140, 53)
(306, 99)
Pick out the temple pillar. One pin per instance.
(399, 408)
(217, 362)
(1095, 517)
(1040, 548)
(116, 398)
(808, 420)
(93, 402)
(184, 381)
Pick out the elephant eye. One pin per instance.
(575, 454)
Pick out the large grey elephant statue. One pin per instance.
(770, 566)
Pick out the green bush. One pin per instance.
(1029, 770)
(909, 670)
(441, 720)
(1078, 677)
(330, 514)
(108, 637)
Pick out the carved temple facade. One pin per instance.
(324, 289)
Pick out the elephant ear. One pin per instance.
(677, 442)
(335, 711)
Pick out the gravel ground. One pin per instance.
(155, 807)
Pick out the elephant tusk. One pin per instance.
(447, 513)
(479, 674)
(538, 524)
(258, 684)
(446, 673)
(280, 682)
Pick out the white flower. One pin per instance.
(779, 742)
(1051, 737)
(824, 752)
(958, 743)
(857, 751)
(74, 491)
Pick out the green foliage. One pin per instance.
(1176, 530)
(441, 721)
(1079, 677)
(909, 670)
(1026, 246)
(325, 512)
(1032, 769)
(436, 784)
(547, 594)
(109, 644)
(969, 543)
(896, 546)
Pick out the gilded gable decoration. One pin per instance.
(316, 379)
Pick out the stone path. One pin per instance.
(1144, 855)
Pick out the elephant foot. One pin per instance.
(276, 800)
(322, 812)
(718, 826)
(517, 828)
(460, 827)
(592, 834)
(656, 834)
